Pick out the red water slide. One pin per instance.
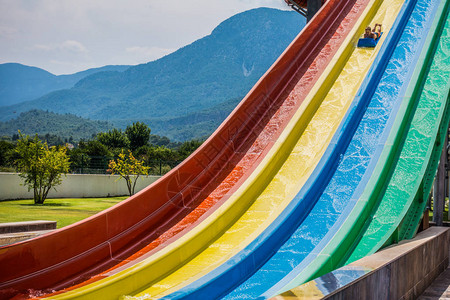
(176, 202)
(300, 3)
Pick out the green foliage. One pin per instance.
(188, 147)
(40, 166)
(159, 154)
(53, 126)
(114, 139)
(94, 148)
(6, 153)
(79, 160)
(160, 159)
(157, 140)
(90, 157)
(52, 139)
(129, 168)
(138, 134)
(151, 153)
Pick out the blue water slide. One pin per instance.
(321, 206)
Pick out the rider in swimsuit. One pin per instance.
(373, 34)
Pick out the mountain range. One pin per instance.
(20, 83)
(206, 78)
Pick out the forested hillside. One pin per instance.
(44, 122)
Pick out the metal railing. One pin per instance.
(99, 165)
(85, 164)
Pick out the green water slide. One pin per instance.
(398, 191)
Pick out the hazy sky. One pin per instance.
(67, 36)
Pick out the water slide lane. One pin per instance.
(334, 189)
(326, 53)
(408, 226)
(323, 124)
(429, 116)
(224, 277)
(79, 251)
(387, 101)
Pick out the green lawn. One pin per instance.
(445, 216)
(64, 211)
(446, 207)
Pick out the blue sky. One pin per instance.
(67, 36)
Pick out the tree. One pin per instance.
(79, 159)
(129, 168)
(94, 148)
(188, 147)
(138, 134)
(155, 154)
(6, 152)
(40, 166)
(157, 140)
(114, 139)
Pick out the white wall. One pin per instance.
(73, 186)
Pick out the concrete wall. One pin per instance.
(73, 186)
(403, 271)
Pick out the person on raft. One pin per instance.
(373, 34)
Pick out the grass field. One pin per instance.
(64, 211)
(446, 208)
(445, 219)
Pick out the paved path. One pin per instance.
(439, 289)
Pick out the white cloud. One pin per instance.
(7, 32)
(68, 46)
(73, 46)
(145, 54)
(43, 47)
